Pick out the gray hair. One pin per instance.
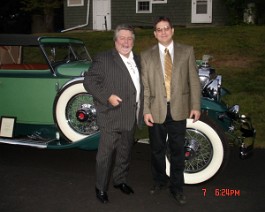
(123, 27)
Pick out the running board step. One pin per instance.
(143, 141)
(27, 142)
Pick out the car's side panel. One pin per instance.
(30, 99)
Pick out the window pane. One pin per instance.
(201, 7)
(75, 3)
(143, 6)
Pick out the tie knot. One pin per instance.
(166, 51)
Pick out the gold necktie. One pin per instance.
(168, 72)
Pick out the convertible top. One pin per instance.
(32, 40)
(18, 40)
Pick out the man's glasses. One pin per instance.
(165, 28)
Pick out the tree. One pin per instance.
(44, 8)
(260, 8)
(236, 9)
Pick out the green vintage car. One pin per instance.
(43, 104)
(42, 100)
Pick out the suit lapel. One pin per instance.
(118, 60)
(177, 56)
(137, 62)
(124, 71)
(157, 61)
(176, 72)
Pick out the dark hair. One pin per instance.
(123, 27)
(162, 18)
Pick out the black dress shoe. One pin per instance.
(179, 197)
(157, 188)
(124, 188)
(102, 196)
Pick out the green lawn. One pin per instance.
(238, 55)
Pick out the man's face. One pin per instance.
(124, 42)
(163, 33)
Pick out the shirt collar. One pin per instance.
(127, 58)
(169, 47)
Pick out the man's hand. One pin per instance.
(114, 100)
(148, 119)
(195, 115)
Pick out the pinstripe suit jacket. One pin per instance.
(109, 75)
(185, 84)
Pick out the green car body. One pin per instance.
(28, 94)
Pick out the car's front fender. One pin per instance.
(209, 104)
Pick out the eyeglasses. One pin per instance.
(165, 28)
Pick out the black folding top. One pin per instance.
(18, 40)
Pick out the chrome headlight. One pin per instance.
(206, 74)
(234, 109)
(212, 90)
(233, 112)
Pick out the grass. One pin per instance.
(238, 55)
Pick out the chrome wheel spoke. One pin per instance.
(203, 154)
(78, 102)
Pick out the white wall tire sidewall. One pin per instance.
(217, 159)
(60, 109)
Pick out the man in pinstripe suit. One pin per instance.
(115, 84)
(171, 94)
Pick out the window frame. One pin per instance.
(159, 1)
(70, 4)
(146, 11)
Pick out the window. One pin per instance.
(74, 3)
(159, 1)
(143, 6)
(201, 7)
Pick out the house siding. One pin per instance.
(220, 13)
(124, 11)
(75, 16)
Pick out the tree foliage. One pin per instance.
(41, 5)
(236, 9)
(45, 8)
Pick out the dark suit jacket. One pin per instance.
(109, 75)
(185, 84)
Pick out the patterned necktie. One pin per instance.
(168, 72)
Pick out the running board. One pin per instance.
(42, 143)
(143, 141)
(27, 142)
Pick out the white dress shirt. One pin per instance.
(134, 72)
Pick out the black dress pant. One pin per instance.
(169, 136)
(114, 152)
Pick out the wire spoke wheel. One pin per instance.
(206, 151)
(75, 113)
(80, 106)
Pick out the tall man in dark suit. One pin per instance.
(171, 94)
(115, 84)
